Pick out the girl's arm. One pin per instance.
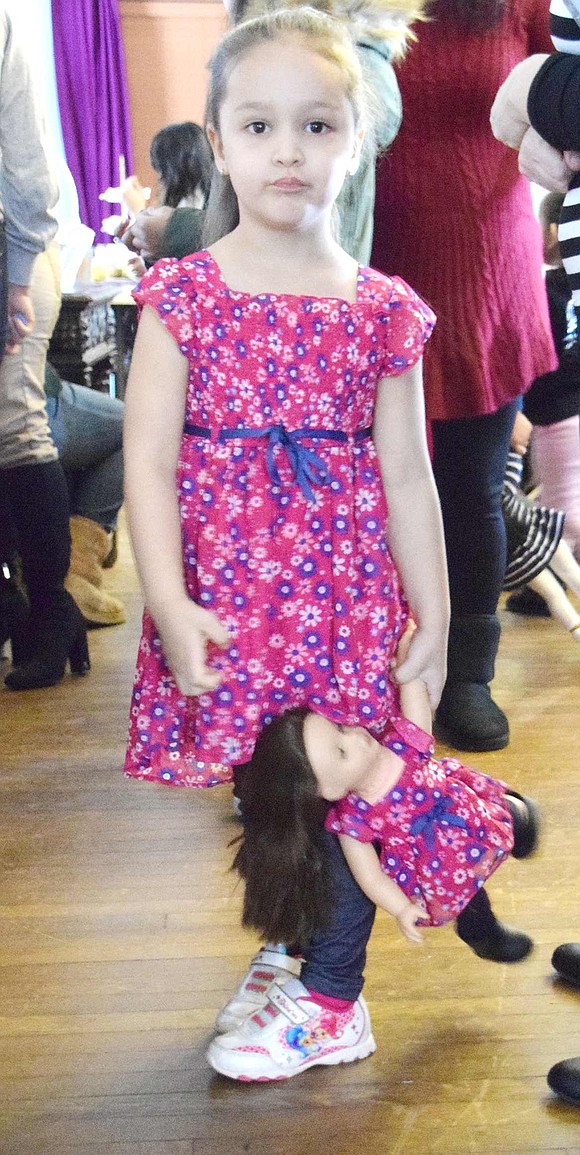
(415, 529)
(365, 866)
(154, 413)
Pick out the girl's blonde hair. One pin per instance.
(323, 34)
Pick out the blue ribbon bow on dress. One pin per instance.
(440, 813)
(308, 468)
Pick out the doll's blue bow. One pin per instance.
(440, 814)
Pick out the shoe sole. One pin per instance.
(350, 1055)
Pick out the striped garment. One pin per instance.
(565, 33)
(533, 530)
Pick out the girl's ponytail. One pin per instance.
(222, 212)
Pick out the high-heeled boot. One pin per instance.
(56, 630)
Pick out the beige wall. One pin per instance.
(167, 46)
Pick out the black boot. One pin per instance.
(39, 503)
(467, 717)
(478, 927)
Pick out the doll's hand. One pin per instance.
(185, 633)
(406, 922)
(425, 659)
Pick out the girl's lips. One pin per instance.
(289, 184)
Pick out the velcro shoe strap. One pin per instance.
(274, 958)
(286, 1005)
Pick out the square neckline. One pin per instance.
(285, 296)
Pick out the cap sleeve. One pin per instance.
(350, 816)
(169, 288)
(408, 324)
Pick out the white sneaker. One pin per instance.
(268, 966)
(289, 1035)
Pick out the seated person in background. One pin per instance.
(182, 159)
(87, 429)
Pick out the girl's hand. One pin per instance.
(406, 922)
(425, 658)
(185, 633)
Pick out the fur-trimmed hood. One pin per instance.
(387, 21)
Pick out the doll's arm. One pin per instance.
(365, 866)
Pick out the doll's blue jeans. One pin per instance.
(335, 960)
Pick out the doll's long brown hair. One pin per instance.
(281, 854)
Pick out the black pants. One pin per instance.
(469, 460)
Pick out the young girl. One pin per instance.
(442, 828)
(274, 407)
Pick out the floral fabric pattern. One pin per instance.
(442, 829)
(305, 584)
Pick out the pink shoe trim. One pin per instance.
(329, 1003)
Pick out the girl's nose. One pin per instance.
(288, 150)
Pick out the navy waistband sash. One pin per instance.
(307, 466)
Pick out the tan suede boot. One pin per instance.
(89, 548)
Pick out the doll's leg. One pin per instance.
(489, 938)
(556, 468)
(566, 567)
(559, 605)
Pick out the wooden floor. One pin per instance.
(119, 941)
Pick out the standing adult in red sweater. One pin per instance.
(453, 216)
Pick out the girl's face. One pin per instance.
(341, 757)
(287, 135)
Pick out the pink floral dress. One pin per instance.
(442, 829)
(283, 513)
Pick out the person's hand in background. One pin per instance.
(145, 234)
(20, 317)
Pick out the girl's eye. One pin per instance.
(257, 127)
(317, 127)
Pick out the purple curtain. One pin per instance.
(93, 99)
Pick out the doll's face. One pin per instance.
(341, 757)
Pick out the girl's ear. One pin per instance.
(357, 148)
(215, 141)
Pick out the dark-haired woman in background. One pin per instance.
(453, 216)
(182, 159)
